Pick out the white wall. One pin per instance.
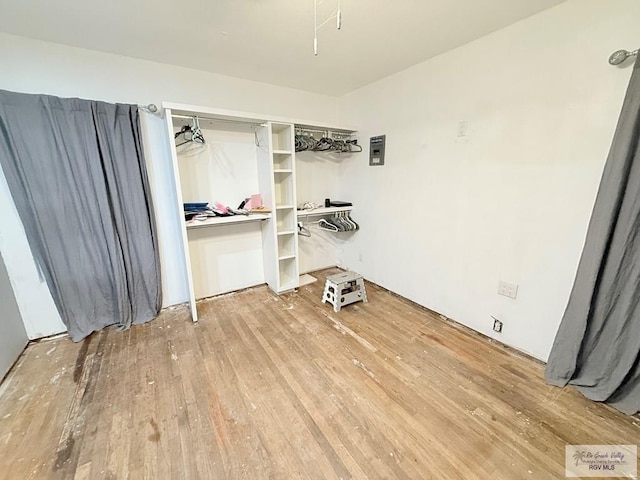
(447, 217)
(317, 178)
(32, 66)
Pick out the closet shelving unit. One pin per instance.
(276, 157)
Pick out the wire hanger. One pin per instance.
(190, 133)
(326, 225)
(303, 231)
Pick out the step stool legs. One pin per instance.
(362, 289)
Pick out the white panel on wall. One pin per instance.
(225, 258)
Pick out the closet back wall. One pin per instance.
(224, 169)
(32, 66)
(317, 178)
(449, 216)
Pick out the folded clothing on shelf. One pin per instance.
(195, 209)
(202, 210)
(309, 206)
(195, 206)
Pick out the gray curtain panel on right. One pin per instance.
(597, 347)
(77, 174)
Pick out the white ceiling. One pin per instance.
(270, 40)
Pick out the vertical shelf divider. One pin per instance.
(185, 241)
(265, 179)
(278, 182)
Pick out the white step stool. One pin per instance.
(344, 289)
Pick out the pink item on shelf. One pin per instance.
(255, 202)
(221, 208)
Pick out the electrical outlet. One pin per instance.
(497, 325)
(507, 289)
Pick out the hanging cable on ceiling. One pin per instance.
(337, 14)
(315, 27)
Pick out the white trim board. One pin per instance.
(249, 117)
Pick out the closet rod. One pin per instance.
(305, 129)
(327, 132)
(189, 117)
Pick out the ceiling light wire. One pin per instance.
(315, 27)
(337, 14)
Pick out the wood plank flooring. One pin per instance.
(268, 387)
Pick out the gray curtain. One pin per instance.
(597, 347)
(76, 171)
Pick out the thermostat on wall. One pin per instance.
(376, 150)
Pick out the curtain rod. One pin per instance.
(149, 108)
(619, 56)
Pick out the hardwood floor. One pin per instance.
(268, 387)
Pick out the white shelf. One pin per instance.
(287, 232)
(283, 170)
(322, 211)
(286, 257)
(216, 221)
(284, 207)
(282, 152)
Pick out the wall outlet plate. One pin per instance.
(497, 325)
(463, 128)
(507, 289)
